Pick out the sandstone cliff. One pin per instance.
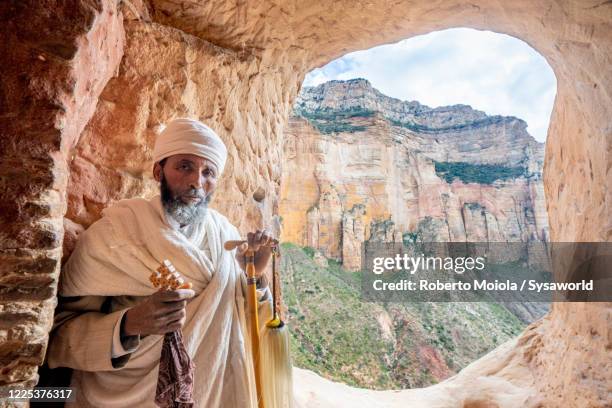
(360, 165)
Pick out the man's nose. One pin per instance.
(196, 182)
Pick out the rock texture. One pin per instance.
(359, 165)
(58, 58)
(166, 73)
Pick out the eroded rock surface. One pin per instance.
(58, 58)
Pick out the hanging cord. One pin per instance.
(276, 320)
(274, 295)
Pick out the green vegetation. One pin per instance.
(328, 114)
(380, 345)
(335, 121)
(309, 251)
(341, 127)
(416, 127)
(328, 120)
(476, 173)
(411, 237)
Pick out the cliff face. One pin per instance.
(360, 165)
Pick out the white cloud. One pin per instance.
(492, 72)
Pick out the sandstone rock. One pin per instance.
(57, 57)
(353, 235)
(354, 142)
(166, 74)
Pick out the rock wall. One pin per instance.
(359, 165)
(166, 73)
(57, 58)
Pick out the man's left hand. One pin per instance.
(262, 244)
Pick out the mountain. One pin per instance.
(359, 165)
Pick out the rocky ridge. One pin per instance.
(359, 165)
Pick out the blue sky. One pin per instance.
(494, 73)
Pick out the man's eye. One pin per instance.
(185, 167)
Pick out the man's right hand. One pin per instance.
(161, 313)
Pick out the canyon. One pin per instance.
(361, 166)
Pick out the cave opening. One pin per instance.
(82, 101)
(436, 138)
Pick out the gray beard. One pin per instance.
(184, 214)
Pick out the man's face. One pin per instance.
(187, 184)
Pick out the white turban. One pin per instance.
(189, 136)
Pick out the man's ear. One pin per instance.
(157, 169)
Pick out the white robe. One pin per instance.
(115, 257)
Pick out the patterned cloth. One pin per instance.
(175, 381)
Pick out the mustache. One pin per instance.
(195, 192)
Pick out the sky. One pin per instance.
(494, 73)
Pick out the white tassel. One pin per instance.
(276, 367)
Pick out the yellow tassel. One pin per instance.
(276, 364)
(271, 353)
(277, 386)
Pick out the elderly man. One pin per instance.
(112, 321)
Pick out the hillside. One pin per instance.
(377, 345)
